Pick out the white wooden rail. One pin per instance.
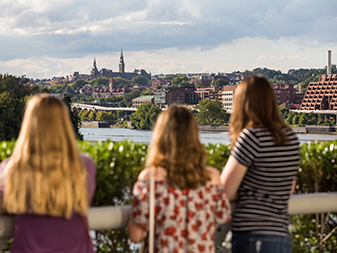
(110, 217)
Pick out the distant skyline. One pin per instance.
(43, 39)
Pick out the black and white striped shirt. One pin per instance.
(263, 195)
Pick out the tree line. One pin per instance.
(293, 76)
(14, 93)
(303, 119)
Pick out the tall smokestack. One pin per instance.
(329, 63)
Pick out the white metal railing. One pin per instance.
(110, 217)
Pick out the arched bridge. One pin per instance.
(90, 107)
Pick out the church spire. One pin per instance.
(121, 63)
(94, 65)
(94, 70)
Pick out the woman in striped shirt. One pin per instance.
(260, 172)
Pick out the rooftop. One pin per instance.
(144, 97)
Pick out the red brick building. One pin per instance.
(209, 93)
(111, 85)
(285, 93)
(181, 96)
(321, 95)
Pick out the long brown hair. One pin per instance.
(176, 147)
(45, 174)
(255, 106)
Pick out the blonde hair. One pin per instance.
(176, 147)
(255, 106)
(45, 174)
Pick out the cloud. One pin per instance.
(74, 29)
(242, 54)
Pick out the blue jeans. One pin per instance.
(245, 242)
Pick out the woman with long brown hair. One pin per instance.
(46, 183)
(189, 200)
(260, 172)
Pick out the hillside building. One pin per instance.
(287, 96)
(228, 96)
(321, 95)
(160, 98)
(209, 93)
(181, 96)
(108, 73)
(143, 99)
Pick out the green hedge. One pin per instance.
(119, 163)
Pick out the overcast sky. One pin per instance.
(47, 38)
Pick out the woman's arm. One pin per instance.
(293, 186)
(232, 176)
(136, 233)
(2, 167)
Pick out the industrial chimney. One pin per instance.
(329, 63)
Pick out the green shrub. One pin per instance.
(119, 163)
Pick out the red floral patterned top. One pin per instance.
(185, 220)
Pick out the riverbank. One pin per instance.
(299, 130)
(331, 130)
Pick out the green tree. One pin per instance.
(43, 89)
(312, 118)
(92, 116)
(296, 119)
(16, 86)
(145, 116)
(100, 116)
(289, 119)
(78, 84)
(14, 92)
(210, 112)
(147, 93)
(181, 81)
(75, 119)
(83, 114)
(199, 85)
(320, 119)
(105, 116)
(11, 112)
(127, 98)
(140, 80)
(303, 119)
(283, 112)
(103, 81)
(219, 82)
(327, 122)
(120, 114)
(121, 82)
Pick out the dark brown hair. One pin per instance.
(255, 106)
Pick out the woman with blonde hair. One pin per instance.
(46, 183)
(189, 200)
(260, 172)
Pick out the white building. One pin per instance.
(228, 96)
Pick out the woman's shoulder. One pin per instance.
(214, 175)
(89, 165)
(145, 174)
(87, 160)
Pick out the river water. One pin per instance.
(144, 136)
